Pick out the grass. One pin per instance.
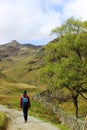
(42, 113)
(19, 70)
(3, 121)
(62, 127)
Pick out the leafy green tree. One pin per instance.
(71, 26)
(66, 60)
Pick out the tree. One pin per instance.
(71, 26)
(67, 60)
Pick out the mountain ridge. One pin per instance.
(14, 48)
(16, 43)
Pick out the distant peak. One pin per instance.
(14, 41)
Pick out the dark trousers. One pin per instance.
(25, 113)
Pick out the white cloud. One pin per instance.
(76, 8)
(26, 20)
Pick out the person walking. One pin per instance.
(25, 104)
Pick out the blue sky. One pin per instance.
(31, 21)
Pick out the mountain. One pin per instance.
(14, 48)
(20, 62)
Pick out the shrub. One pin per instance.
(3, 121)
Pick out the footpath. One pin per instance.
(16, 121)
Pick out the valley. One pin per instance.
(20, 67)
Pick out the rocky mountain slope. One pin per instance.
(14, 48)
(19, 61)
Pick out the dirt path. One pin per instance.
(16, 121)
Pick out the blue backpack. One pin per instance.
(25, 102)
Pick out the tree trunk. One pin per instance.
(75, 98)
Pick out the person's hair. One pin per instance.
(25, 92)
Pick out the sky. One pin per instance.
(31, 21)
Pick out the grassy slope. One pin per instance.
(22, 70)
(18, 61)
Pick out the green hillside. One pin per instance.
(20, 62)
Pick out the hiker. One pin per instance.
(25, 104)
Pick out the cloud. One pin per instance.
(76, 8)
(32, 21)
